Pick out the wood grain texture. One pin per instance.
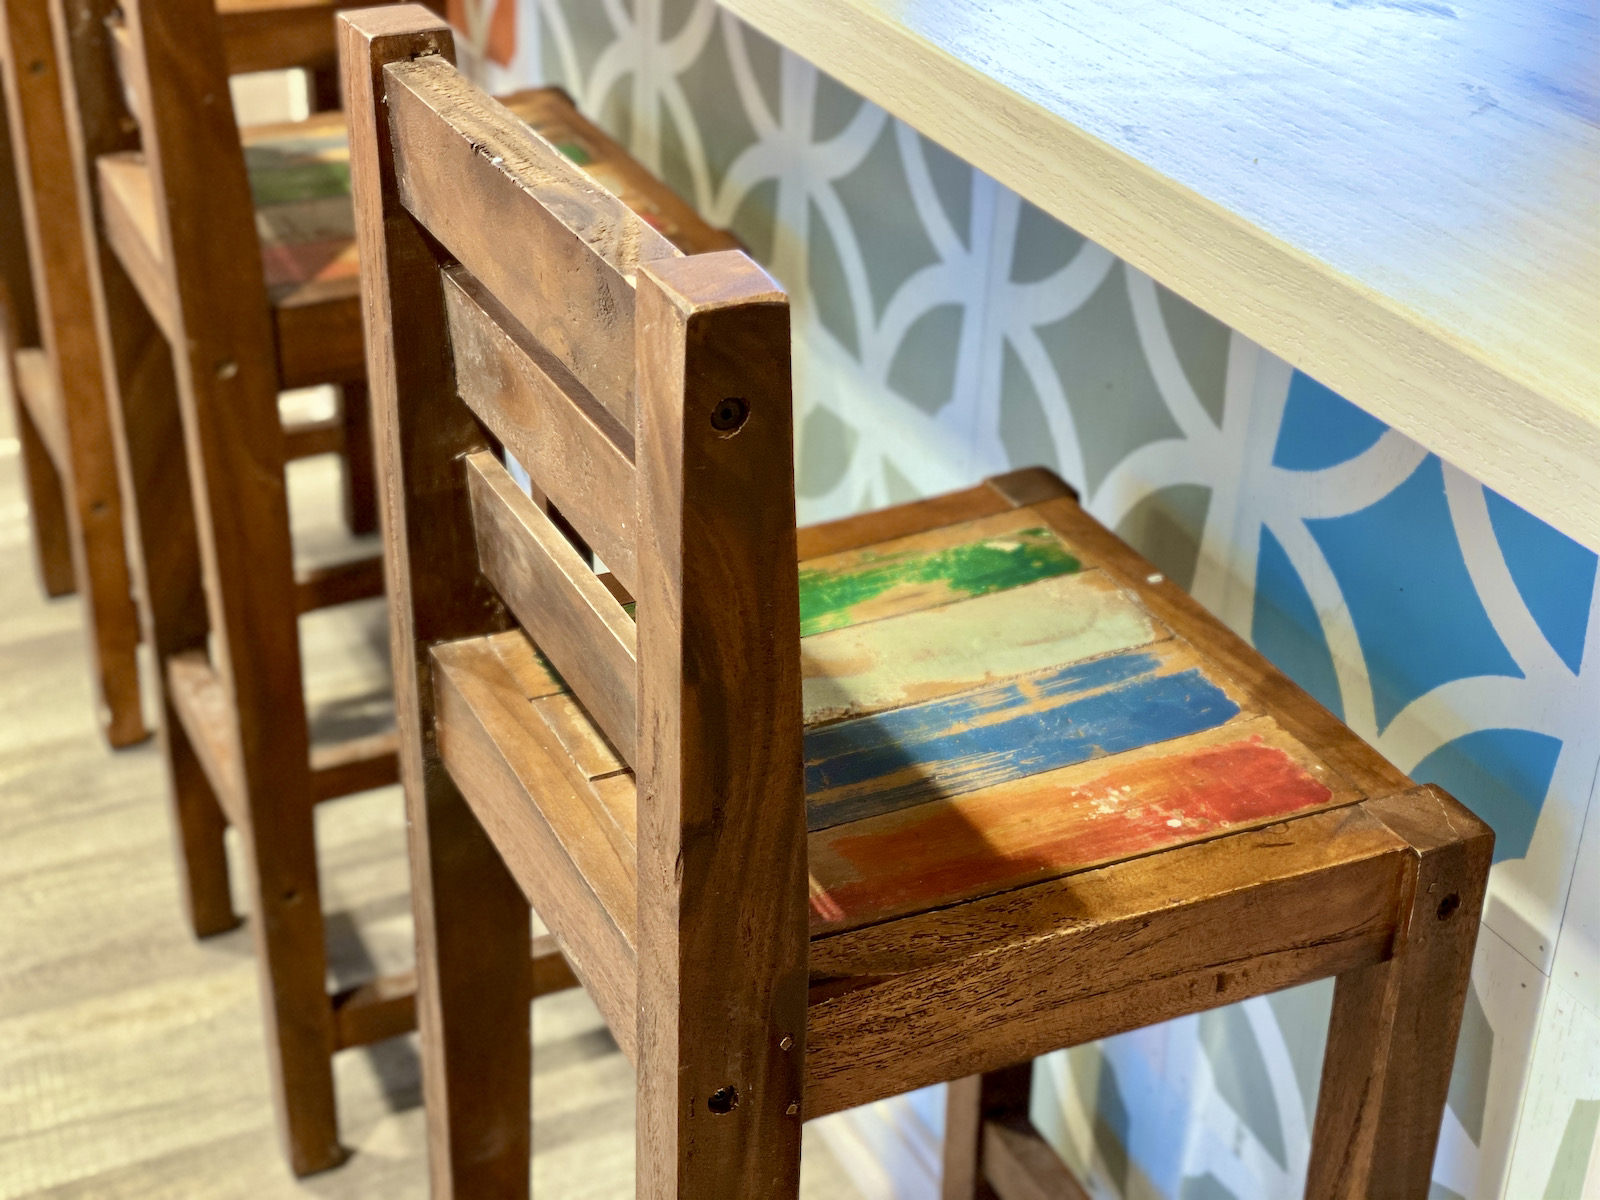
(971, 988)
(990, 735)
(1338, 186)
(551, 840)
(577, 453)
(465, 164)
(148, 441)
(722, 1023)
(903, 520)
(227, 388)
(72, 378)
(555, 595)
(1392, 1036)
(471, 916)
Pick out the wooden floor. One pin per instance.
(131, 1059)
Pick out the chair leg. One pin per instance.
(360, 472)
(969, 1103)
(165, 556)
(1392, 1036)
(473, 976)
(52, 536)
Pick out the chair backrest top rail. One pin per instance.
(466, 167)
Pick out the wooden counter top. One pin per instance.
(1399, 197)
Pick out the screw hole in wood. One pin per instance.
(729, 415)
(1448, 906)
(724, 1100)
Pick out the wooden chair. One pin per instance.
(910, 797)
(203, 336)
(52, 360)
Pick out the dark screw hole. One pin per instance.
(724, 1100)
(1448, 906)
(37, 66)
(729, 415)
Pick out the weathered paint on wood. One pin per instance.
(962, 561)
(300, 183)
(1068, 714)
(938, 652)
(1050, 824)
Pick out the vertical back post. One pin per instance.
(226, 369)
(722, 840)
(93, 502)
(147, 437)
(472, 921)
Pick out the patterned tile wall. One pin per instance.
(946, 329)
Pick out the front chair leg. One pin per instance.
(1392, 1035)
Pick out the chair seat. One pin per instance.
(300, 182)
(986, 709)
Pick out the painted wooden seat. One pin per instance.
(985, 708)
(827, 814)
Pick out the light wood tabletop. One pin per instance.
(1399, 197)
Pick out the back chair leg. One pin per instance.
(360, 471)
(148, 433)
(1392, 1036)
(971, 1102)
(473, 924)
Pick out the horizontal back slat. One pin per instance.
(570, 615)
(579, 453)
(470, 171)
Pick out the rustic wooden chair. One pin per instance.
(910, 797)
(199, 357)
(52, 360)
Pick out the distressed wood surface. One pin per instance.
(471, 916)
(972, 987)
(1049, 824)
(1392, 1035)
(1318, 729)
(918, 656)
(722, 1024)
(551, 840)
(84, 452)
(954, 562)
(1349, 187)
(148, 439)
(581, 456)
(463, 160)
(557, 598)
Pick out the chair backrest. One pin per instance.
(510, 299)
